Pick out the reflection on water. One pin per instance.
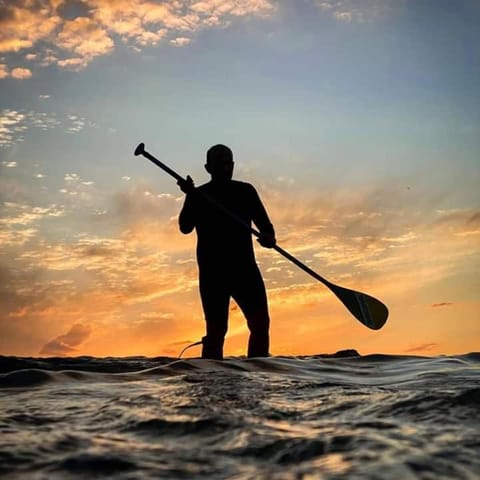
(331, 463)
(279, 418)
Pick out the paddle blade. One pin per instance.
(366, 309)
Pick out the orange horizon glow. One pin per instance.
(135, 292)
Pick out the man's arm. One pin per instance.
(262, 221)
(187, 217)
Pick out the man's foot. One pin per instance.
(211, 350)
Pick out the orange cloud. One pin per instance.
(50, 36)
(68, 343)
(3, 71)
(21, 73)
(24, 23)
(85, 38)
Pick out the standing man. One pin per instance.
(225, 254)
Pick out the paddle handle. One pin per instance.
(140, 150)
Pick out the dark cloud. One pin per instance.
(464, 217)
(139, 203)
(424, 347)
(18, 287)
(474, 219)
(181, 343)
(67, 343)
(442, 304)
(104, 251)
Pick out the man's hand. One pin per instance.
(267, 240)
(186, 185)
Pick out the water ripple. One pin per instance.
(280, 418)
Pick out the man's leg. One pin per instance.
(258, 322)
(215, 301)
(251, 297)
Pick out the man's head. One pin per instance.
(219, 163)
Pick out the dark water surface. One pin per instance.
(359, 417)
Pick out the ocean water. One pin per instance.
(346, 416)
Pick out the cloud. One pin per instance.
(75, 64)
(11, 123)
(18, 223)
(21, 73)
(355, 228)
(53, 32)
(357, 11)
(85, 38)
(9, 164)
(442, 304)
(3, 71)
(461, 222)
(14, 124)
(218, 8)
(424, 347)
(69, 342)
(180, 41)
(140, 203)
(23, 23)
(16, 237)
(25, 215)
(77, 124)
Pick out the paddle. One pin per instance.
(365, 308)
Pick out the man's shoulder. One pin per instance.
(234, 184)
(243, 186)
(204, 186)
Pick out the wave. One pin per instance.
(343, 416)
(343, 368)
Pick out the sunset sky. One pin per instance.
(358, 121)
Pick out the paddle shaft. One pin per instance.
(365, 308)
(158, 163)
(141, 151)
(304, 267)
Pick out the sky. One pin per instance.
(358, 122)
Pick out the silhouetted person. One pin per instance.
(225, 254)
